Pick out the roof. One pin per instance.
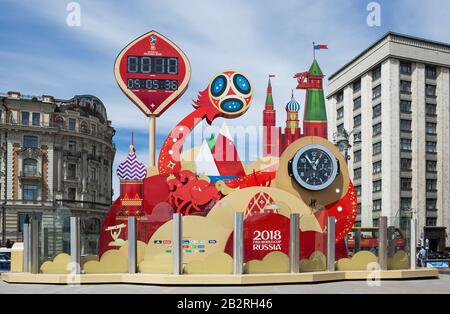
(379, 41)
(131, 168)
(315, 68)
(293, 105)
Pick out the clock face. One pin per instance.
(314, 167)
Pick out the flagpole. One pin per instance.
(314, 51)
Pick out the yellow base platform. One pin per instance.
(253, 279)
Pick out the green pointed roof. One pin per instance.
(315, 68)
(269, 99)
(211, 141)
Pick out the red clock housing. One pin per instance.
(153, 72)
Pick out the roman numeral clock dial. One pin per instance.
(314, 167)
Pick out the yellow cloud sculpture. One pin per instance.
(156, 264)
(274, 262)
(59, 265)
(359, 261)
(400, 260)
(316, 262)
(216, 263)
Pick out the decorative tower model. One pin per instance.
(131, 173)
(315, 115)
(270, 145)
(292, 131)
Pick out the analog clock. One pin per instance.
(314, 167)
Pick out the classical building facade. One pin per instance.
(56, 161)
(394, 96)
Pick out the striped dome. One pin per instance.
(293, 105)
(131, 168)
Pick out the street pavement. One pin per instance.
(438, 286)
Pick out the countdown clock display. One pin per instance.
(314, 167)
(153, 72)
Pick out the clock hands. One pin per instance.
(313, 165)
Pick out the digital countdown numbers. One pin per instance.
(153, 72)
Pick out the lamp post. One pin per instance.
(341, 139)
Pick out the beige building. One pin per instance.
(56, 161)
(395, 98)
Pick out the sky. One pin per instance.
(41, 54)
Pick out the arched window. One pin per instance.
(59, 121)
(30, 166)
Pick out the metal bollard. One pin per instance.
(132, 245)
(238, 244)
(294, 248)
(177, 243)
(331, 243)
(75, 245)
(34, 247)
(382, 243)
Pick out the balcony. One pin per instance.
(71, 153)
(30, 176)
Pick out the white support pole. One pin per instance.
(331, 243)
(413, 244)
(34, 247)
(177, 243)
(238, 244)
(382, 243)
(75, 245)
(26, 248)
(294, 248)
(132, 245)
(152, 141)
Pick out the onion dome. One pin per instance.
(293, 105)
(131, 168)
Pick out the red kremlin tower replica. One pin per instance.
(315, 123)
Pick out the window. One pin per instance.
(376, 129)
(26, 217)
(431, 222)
(71, 194)
(377, 167)
(405, 106)
(431, 72)
(405, 87)
(431, 147)
(29, 192)
(72, 171)
(59, 121)
(340, 96)
(405, 144)
(405, 125)
(25, 118)
(376, 205)
(376, 73)
(72, 124)
(94, 150)
(405, 184)
(340, 128)
(376, 149)
(431, 166)
(357, 174)
(356, 103)
(357, 137)
(376, 187)
(405, 68)
(376, 92)
(405, 203)
(431, 204)
(84, 127)
(30, 141)
(340, 113)
(93, 196)
(93, 174)
(376, 111)
(356, 86)
(72, 146)
(430, 90)
(357, 156)
(431, 185)
(430, 109)
(36, 119)
(405, 164)
(93, 129)
(30, 166)
(357, 121)
(358, 190)
(431, 128)
(359, 209)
